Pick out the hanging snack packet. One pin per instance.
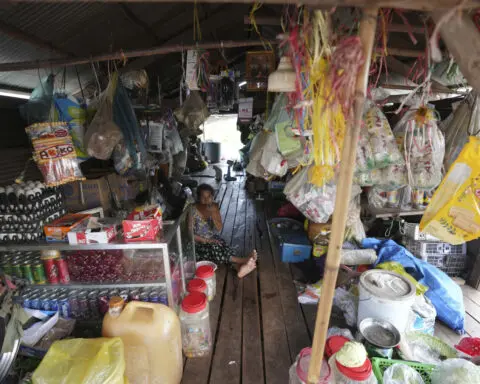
(453, 215)
(54, 153)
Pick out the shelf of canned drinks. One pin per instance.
(86, 303)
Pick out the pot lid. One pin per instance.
(387, 285)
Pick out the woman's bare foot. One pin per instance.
(253, 255)
(246, 268)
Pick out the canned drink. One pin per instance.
(23, 300)
(113, 292)
(27, 272)
(392, 199)
(62, 267)
(417, 197)
(64, 306)
(34, 302)
(163, 296)
(102, 300)
(154, 297)
(17, 269)
(144, 296)
(74, 306)
(53, 301)
(83, 309)
(44, 302)
(93, 304)
(134, 295)
(7, 267)
(124, 295)
(51, 270)
(39, 273)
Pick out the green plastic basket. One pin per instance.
(380, 365)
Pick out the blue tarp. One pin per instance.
(445, 294)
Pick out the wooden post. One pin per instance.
(344, 188)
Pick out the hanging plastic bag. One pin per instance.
(193, 112)
(423, 146)
(272, 160)
(462, 123)
(401, 374)
(316, 203)
(453, 215)
(254, 166)
(83, 361)
(364, 161)
(54, 153)
(384, 147)
(68, 110)
(103, 134)
(38, 108)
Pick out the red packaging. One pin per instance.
(62, 267)
(143, 224)
(51, 270)
(140, 230)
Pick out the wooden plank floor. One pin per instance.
(257, 323)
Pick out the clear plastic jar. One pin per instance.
(195, 323)
(298, 372)
(344, 375)
(207, 273)
(197, 285)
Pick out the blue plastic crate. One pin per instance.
(294, 247)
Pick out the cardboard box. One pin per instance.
(143, 224)
(94, 231)
(96, 192)
(58, 229)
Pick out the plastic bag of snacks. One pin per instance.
(384, 147)
(423, 145)
(392, 177)
(453, 214)
(365, 161)
(254, 166)
(316, 203)
(54, 153)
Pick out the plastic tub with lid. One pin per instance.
(346, 375)
(195, 322)
(299, 370)
(207, 273)
(197, 285)
(385, 295)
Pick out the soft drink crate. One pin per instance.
(452, 265)
(427, 248)
(412, 231)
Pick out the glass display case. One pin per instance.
(78, 280)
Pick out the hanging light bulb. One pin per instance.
(283, 79)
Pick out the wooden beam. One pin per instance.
(419, 5)
(416, 53)
(122, 55)
(18, 34)
(366, 33)
(275, 21)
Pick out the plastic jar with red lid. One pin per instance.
(207, 274)
(195, 324)
(197, 285)
(347, 375)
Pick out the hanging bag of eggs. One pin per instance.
(54, 153)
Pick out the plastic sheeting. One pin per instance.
(445, 295)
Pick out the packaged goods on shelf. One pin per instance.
(94, 230)
(143, 224)
(58, 229)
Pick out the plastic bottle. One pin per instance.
(207, 273)
(196, 334)
(152, 340)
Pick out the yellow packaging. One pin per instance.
(83, 361)
(453, 215)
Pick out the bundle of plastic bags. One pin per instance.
(423, 146)
(462, 123)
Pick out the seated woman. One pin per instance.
(207, 224)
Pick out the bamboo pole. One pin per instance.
(344, 189)
(122, 55)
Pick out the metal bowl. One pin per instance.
(379, 332)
